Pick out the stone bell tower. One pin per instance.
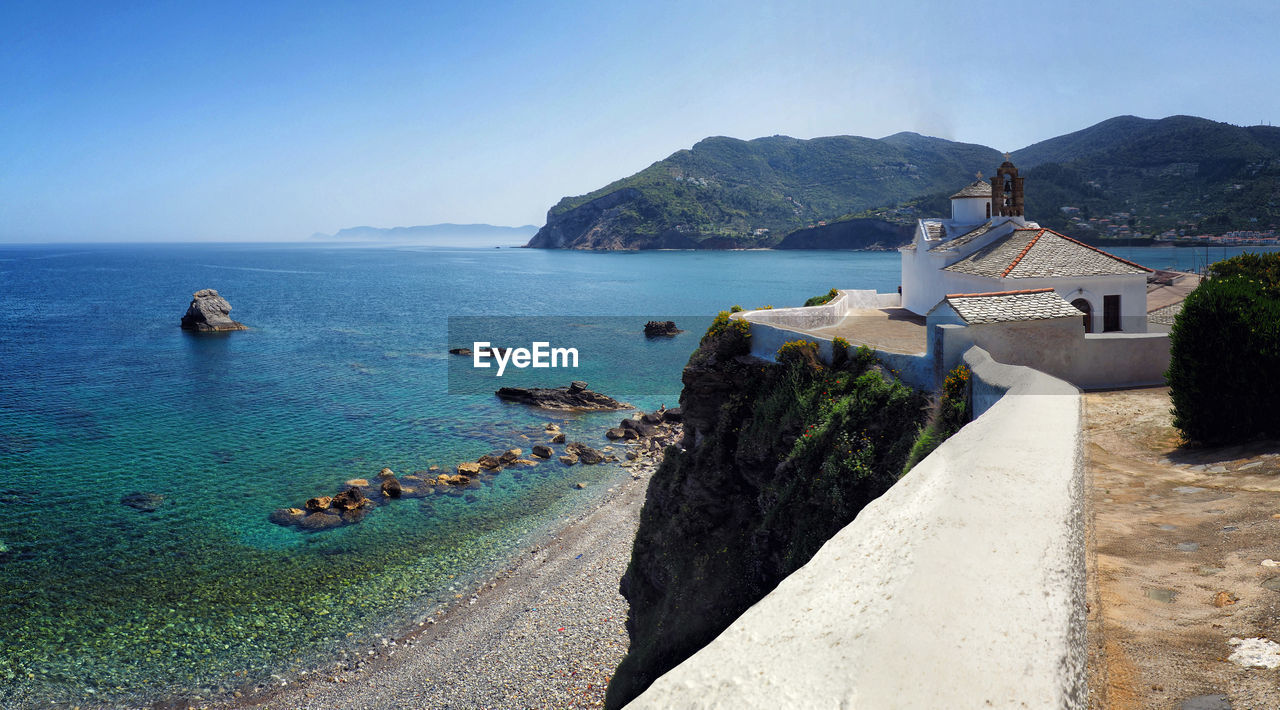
(1006, 191)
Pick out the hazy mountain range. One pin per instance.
(436, 235)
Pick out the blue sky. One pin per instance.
(229, 121)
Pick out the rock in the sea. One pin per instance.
(568, 459)
(209, 312)
(542, 451)
(489, 463)
(145, 502)
(580, 485)
(558, 438)
(357, 482)
(287, 516)
(460, 351)
(319, 503)
(673, 415)
(660, 329)
(350, 499)
(386, 473)
(391, 487)
(509, 456)
(616, 433)
(445, 479)
(466, 468)
(585, 454)
(320, 521)
(574, 397)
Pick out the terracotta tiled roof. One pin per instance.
(963, 239)
(1006, 306)
(977, 188)
(1041, 253)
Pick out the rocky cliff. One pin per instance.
(776, 458)
(849, 234)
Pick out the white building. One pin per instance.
(988, 246)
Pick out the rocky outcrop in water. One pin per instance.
(574, 397)
(661, 329)
(208, 313)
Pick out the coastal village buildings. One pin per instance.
(988, 246)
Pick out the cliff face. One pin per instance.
(777, 458)
(850, 234)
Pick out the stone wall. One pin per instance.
(962, 586)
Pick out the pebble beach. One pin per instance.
(546, 632)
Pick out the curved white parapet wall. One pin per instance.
(961, 587)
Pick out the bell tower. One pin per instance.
(1006, 191)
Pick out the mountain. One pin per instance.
(1142, 175)
(1179, 172)
(435, 235)
(726, 192)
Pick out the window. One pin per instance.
(1110, 313)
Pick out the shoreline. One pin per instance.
(547, 630)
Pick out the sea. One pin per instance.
(344, 370)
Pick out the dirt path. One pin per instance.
(1177, 541)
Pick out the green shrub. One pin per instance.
(805, 351)
(839, 352)
(950, 411)
(731, 336)
(1224, 359)
(824, 298)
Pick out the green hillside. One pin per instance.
(724, 190)
(1141, 175)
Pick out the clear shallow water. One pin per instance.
(344, 372)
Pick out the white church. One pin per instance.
(988, 246)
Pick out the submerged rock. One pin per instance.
(144, 502)
(287, 516)
(542, 451)
(209, 312)
(320, 521)
(574, 397)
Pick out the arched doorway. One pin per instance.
(1083, 304)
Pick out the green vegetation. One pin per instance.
(951, 410)
(1225, 353)
(1179, 172)
(738, 330)
(824, 298)
(728, 192)
(788, 454)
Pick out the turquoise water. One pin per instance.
(344, 372)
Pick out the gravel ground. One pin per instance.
(547, 633)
